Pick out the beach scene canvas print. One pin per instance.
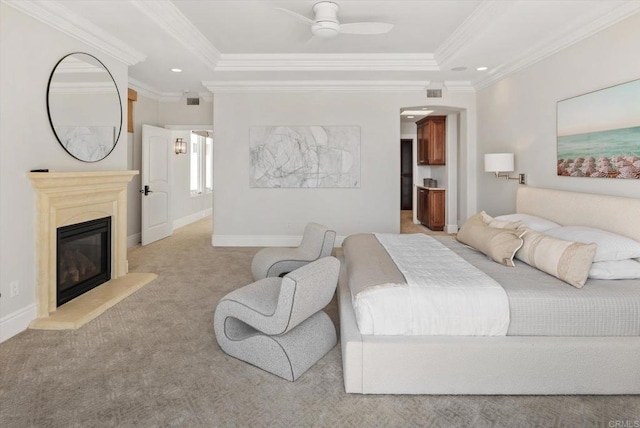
(599, 133)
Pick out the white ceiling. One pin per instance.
(239, 43)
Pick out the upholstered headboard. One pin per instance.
(613, 213)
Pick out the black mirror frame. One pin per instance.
(49, 107)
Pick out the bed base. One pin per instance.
(484, 365)
(507, 364)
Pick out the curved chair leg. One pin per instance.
(288, 355)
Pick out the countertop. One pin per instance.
(430, 188)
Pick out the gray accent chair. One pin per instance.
(277, 324)
(317, 242)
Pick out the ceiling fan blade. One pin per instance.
(365, 28)
(296, 15)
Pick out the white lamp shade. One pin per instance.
(498, 162)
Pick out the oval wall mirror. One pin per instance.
(84, 107)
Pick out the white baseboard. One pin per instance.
(133, 240)
(183, 221)
(262, 240)
(451, 228)
(18, 321)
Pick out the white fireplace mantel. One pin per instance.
(65, 198)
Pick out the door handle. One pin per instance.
(146, 190)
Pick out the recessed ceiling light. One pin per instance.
(482, 68)
(416, 112)
(458, 68)
(410, 117)
(176, 70)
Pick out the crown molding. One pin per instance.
(172, 97)
(327, 62)
(150, 92)
(172, 20)
(459, 86)
(207, 97)
(145, 90)
(73, 65)
(82, 88)
(315, 85)
(479, 21)
(579, 31)
(61, 18)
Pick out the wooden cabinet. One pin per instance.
(431, 203)
(432, 140)
(422, 205)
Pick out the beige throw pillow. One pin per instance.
(566, 260)
(500, 224)
(499, 244)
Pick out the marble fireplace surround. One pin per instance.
(66, 198)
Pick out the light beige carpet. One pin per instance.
(152, 360)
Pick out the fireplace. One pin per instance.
(67, 199)
(84, 258)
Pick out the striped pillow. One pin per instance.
(566, 260)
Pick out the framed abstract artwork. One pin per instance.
(304, 156)
(599, 133)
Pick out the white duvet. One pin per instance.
(444, 294)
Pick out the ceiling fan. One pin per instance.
(326, 24)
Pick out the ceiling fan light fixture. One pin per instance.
(326, 25)
(325, 29)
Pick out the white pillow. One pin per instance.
(611, 246)
(533, 222)
(615, 269)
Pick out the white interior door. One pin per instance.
(156, 184)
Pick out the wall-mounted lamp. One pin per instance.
(180, 146)
(502, 165)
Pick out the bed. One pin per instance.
(566, 352)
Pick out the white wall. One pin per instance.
(28, 52)
(179, 113)
(518, 114)
(258, 216)
(149, 111)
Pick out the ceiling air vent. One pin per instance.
(193, 101)
(434, 93)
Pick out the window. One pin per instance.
(201, 162)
